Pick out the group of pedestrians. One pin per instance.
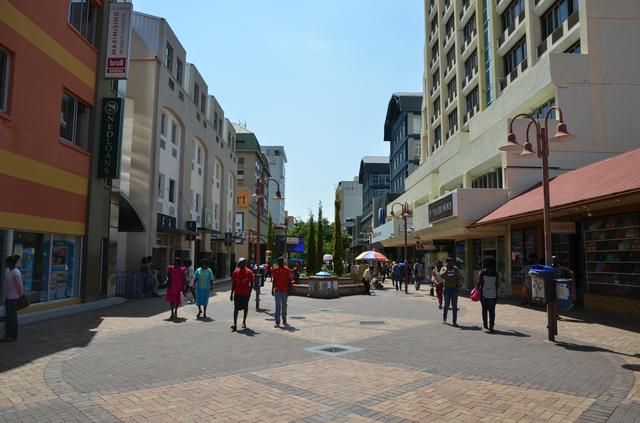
(182, 279)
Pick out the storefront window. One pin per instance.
(49, 264)
(524, 252)
(562, 248)
(477, 254)
(612, 250)
(3, 255)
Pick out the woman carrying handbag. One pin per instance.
(14, 291)
(488, 284)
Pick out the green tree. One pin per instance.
(310, 244)
(338, 251)
(319, 240)
(271, 236)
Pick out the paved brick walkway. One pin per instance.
(396, 363)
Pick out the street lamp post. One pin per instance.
(542, 147)
(259, 196)
(405, 214)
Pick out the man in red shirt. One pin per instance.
(281, 278)
(242, 282)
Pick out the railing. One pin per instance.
(558, 33)
(511, 28)
(468, 77)
(517, 71)
(132, 284)
(471, 113)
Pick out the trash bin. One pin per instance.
(543, 288)
(564, 288)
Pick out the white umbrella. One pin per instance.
(327, 257)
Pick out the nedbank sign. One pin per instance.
(110, 138)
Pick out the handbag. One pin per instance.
(23, 302)
(183, 299)
(475, 295)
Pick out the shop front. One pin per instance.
(50, 264)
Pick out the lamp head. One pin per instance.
(511, 144)
(278, 196)
(527, 151)
(562, 134)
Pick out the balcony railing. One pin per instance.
(559, 32)
(471, 113)
(435, 117)
(511, 28)
(469, 76)
(465, 8)
(452, 131)
(468, 41)
(508, 79)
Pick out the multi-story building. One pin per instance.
(277, 160)
(49, 55)
(252, 166)
(488, 60)
(402, 129)
(178, 156)
(374, 177)
(350, 195)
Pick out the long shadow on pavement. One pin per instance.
(591, 348)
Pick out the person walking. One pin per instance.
(281, 277)
(203, 280)
(241, 285)
(145, 271)
(438, 282)
(177, 276)
(14, 289)
(418, 273)
(452, 280)
(488, 283)
(394, 275)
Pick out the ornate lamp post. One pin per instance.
(404, 214)
(542, 147)
(259, 196)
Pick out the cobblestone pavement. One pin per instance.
(386, 358)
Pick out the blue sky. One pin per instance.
(314, 76)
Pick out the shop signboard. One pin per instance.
(242, 198)
(166, 222)
(239, 227)
(563, 227)
(443, 208)
(191, 228)
(110, 138)
(118, 40)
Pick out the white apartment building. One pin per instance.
(178, 156)
(350, 195)
(277, 160)
(488, 60)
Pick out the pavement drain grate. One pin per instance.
(333, 350)
(373, 322)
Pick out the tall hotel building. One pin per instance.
(488, 60)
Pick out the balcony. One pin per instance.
(448, 9)
(451, 101)
(466, 11)
(435, 89)
(501, 6)
(471, 41)
(470, 114)
(470, 81)
(448, 39)
(541, 6)
(508, 79)
(563, 32)
(452, 131)
(433, 8)
(434, 61)
(433, 37)
(450, 71)
(511, 35)
(435, 117)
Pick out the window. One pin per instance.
(434, 24)
(168, 57)
(82, 16)
(197, 203)
(378, 193)
(380, 179)
(436, 106)
(511, 13)
(215, 120)
(472, 100)
(451, 88)
(435, 79)
(556, 15)
(437, 138)
(451, 57)
(575, 49)
(434, 51)
(516, 55)
(492, 179)
(452, 120)
(199, 156)
(4, 80)
(179, 67)
(203, 103)
(416, 150)
(469, 29)
(487, 35)
(540, 111)
(74, 120)
(448, 27)
(163, 124)
(471, 65)
(196, 93)
(172, 191)
(161, 181)
(240, 161)
(417, 124)
(277, 153)
(174, 133)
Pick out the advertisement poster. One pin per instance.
(61, 280)
(118, 40)
(26, 268)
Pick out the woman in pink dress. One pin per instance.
(177, 277)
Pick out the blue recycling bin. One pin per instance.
(564, 291)
(543, 289)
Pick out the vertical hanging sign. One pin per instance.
(118, 40)
(110, 138)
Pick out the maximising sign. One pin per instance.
(443, 208)
(110, 138)
(118, 39)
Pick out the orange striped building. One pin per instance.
(47, 77)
